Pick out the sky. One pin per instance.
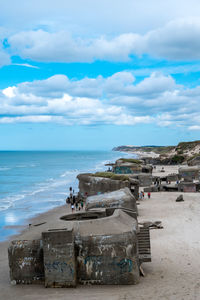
(81, 75)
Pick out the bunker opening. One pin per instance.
(90, 215)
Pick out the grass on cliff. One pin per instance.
(177, 159)
(187, 145)
(131, 160)
(194, 156)
(111, 176)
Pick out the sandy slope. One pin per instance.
(172, 274)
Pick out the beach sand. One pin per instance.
(173, 273)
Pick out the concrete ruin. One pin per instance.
(189, 173)
(144, 179)
(128, 166)
(26, 261)
(186, 180)
(187, 187)
(190, 181)
(122, 198)
(92, 184)
(104, 246)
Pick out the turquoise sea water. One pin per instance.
(34, 182)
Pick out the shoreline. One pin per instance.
(33, 221)
(10, 229)
(140, 154)
(173, 273)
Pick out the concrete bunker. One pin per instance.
(122, 198)
(189, 174)
(103, 182)
(98, 249)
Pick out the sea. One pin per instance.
(32, 182)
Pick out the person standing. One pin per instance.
(70, 192)
(82, 204)
(149, 195)
(67, 201)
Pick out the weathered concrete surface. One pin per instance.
(98, 247)
(99, 185)
(152, 188)
(162, 188)
(173, 177)
(120, 198)
(144, 179)
(189, 173)
(125, 167)
(26, 262)
(59, 258)
(107, 250)
(187, 187)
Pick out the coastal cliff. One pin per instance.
(184, 152)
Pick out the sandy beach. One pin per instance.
(172, 274)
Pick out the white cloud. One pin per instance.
(177, 40)
(44, 46)
(25, 65)
(94, 17)
(194, 127)
(119, 100)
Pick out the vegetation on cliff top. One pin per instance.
(183, 152)
(111, 176)
(131, 160)
(155, 149)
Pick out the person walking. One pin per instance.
(149, 195)
(82, 204)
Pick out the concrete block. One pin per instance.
(187, 187)
(122, 198)
(111, 259)
(90, 185)
(26, 262)
(59, 258)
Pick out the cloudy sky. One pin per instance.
(96, 74)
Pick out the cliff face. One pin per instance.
(184, 152)
(146, 149)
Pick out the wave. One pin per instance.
(69, 173)
(6, 204)
(31, 165)
(4, 168)
(51, 188)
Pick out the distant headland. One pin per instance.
(184, 152)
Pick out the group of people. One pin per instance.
(141, 195)
(75, 201)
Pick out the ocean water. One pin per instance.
(33, 182)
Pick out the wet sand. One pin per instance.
(173, 273)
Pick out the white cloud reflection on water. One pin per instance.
(10, 218)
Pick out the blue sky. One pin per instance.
(98, 74)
